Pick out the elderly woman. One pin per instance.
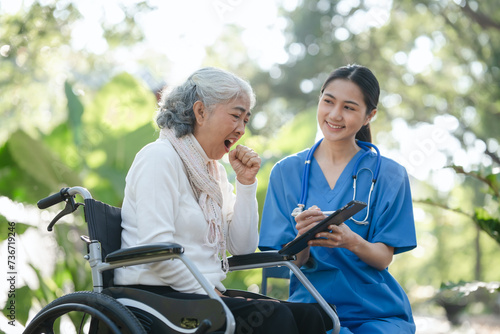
(177, 191)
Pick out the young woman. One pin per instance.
(348, 264)
(177, 191)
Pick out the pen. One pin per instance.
(326, 213)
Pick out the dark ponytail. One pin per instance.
(367, 82)
(364, 134)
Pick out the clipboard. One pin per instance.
(336, 218)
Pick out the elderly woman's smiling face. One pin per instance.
(221, 127)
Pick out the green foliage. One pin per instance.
(117, 124)
(100, 145)
(36, 160)
(3, 222)
(37, 54)
(20, 228)
(487, 223)
(456, 297)
(463, 289)
(296, 135)
(120, 106)
(30, 170)
(23, 301)
(484, 219)
(35, 37)
(93, 151)
(75, 112)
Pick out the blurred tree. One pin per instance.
(61, 128)
(436, 57)
(93, 149)
(37, 57)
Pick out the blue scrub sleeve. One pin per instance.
(276, 227)
(394, 221)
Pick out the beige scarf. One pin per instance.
(204, 179)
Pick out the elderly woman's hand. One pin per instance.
(245, 163)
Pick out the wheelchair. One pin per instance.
(113, 309)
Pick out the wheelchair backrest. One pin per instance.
(104, 224)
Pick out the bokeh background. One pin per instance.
(79, 82)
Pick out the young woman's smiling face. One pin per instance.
(221, 127)
(342, 110)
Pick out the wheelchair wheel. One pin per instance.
(86, 312)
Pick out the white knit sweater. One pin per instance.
(160, 206)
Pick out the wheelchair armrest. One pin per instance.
(261, 258)
(144, 251)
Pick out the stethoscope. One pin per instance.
(355, 172)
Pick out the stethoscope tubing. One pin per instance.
(305, 178)
(366, 145)
(305, 175)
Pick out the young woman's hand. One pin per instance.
(307, 219)
(245, 163)
(337, 236)
(304, 222)
(377, 255)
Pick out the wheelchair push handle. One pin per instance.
(64, 195)
(53, 199)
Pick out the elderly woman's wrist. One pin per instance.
(246, 182)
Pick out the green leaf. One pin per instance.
(18, 304)
(36, 161)
(487, 223)
(75, 112)
(61, 142)
(47, 291)
(15, 183)
(494, 184)
(6, 227)
(122, 105)
(111, 159)
(3, 222)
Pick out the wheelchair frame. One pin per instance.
(148, 254)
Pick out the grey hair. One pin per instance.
(209, 85)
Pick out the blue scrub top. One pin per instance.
(359, 291)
